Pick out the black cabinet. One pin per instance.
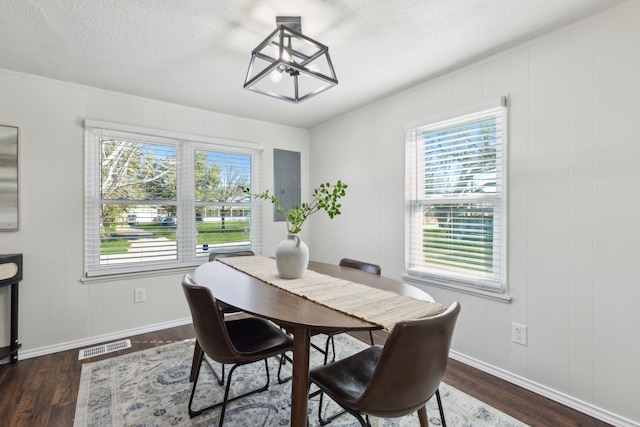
(11, 275)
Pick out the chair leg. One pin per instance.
(364, 421)
(333, 348)
(193, 413)
(219, 378)
(325, 421)
(321, 350)
(331, 342)
(371, 338)
(281, 362)
(197, 355)
(444, 423)
(284, 359)
(196, 412)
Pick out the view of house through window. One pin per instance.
(139, 202)
(456, 199)
(223, 209)
(160, 203)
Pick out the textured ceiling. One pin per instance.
(196, 52)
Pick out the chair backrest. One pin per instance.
(214, 255)
(208, 322)
(411, 365)
(361, 265)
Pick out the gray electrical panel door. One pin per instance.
(286, 180)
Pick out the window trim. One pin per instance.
(467, 283)
(92, 200)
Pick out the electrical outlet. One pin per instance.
(519, 333)
(139, 295)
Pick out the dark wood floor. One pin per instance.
(42, 391)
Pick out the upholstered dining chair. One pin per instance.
(224, 308)
(215, 255)
(411, 365)
(235, 341)
(361, 265)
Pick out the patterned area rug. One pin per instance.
(152, 388)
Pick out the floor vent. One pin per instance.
(104, 349)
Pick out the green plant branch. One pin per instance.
(325, 198)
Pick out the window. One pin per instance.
(456, 198)
(159, 200)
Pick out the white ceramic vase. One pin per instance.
(292, 257)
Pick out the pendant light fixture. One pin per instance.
(289, 65)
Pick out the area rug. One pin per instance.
(151, 388)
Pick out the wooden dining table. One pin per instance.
(299, 316)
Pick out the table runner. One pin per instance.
(380, 307)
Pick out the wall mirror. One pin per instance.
(8, 178)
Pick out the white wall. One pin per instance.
(574, 182)
(55, 307)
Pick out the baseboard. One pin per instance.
(545, 391)
(70, 345)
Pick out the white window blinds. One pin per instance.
(159, 200)
(456, 197)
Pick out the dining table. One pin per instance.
(300, 316)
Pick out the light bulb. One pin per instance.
(276, 75)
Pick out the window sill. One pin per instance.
(139, 274)
(465, 289)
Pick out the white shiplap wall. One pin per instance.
(574, 182)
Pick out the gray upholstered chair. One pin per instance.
(237, 342)
(394, 380)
